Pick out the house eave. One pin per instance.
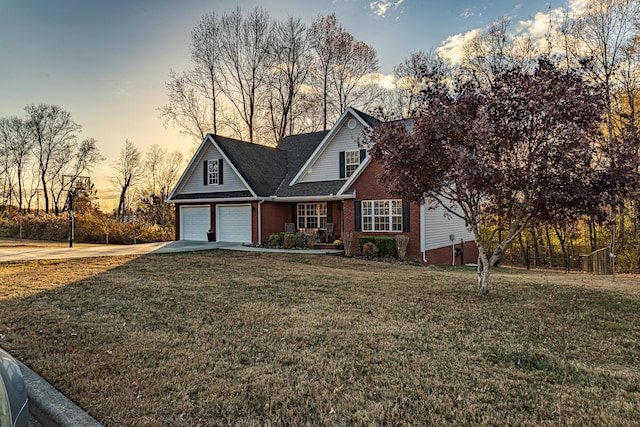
(217, 200)
(322, 198)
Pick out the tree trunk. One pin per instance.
(484, 274)
(562, 239)
(536, 247)
(324, 102)
(593, 240)
(123, 194)
(549, 245)
(45, 192)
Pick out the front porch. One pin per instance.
(323, 219)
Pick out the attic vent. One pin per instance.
(351, 124)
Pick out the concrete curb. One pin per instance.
(51, 408)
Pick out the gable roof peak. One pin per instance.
(370, 120)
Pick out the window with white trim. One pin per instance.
(382, 215)
(351, 162)
(213, 172)
(312, 215)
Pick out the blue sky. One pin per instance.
(106, 61)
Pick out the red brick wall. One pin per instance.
(444, 256)
(367, 188)
(274, 215)
(177, 222)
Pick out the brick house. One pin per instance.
(324, 181)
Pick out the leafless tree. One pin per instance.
(416, 74)
(354, 62)
(79, 163)
(186, 108)
(206, 51)
(14, 136)
(54, 135)
(128, 172)
(291, 59)
(247, 63)
(162, 170)
(325, 31)
(600, 39)
(496, 50)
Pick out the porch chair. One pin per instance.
(289, 227)
(328, 232)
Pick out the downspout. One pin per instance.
(260, 222)
(423, 243)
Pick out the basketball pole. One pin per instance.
(71, 194)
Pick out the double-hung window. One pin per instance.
(382, 215)
(213, 172)
(350, 161)
(312, 215)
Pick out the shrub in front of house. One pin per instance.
(364, 239)
(289, 241)
(370, 250)
(276, 240)
(301, 240)
(386, 245)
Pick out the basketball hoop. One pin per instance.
(74, 184)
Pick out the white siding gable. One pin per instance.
(438, 227)
(327, 165)
(194, 182)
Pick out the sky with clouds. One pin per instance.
(107, 61)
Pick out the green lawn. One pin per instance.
(255, 339)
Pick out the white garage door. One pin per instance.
(234, 223)
(195, 221)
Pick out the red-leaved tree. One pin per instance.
(524, 149)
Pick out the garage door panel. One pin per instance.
(234, 223)
(195, 221)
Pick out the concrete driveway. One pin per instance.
(30, 251)
(26, 251)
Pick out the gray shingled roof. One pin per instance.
(262, 167)
(298, 149)
(269, 170)
(370, 120)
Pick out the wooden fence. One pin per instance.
(597, 262)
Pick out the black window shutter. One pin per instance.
(206, 172)
(406, 208)
(294, 214)
(357, 213)
(329, 212)
(220, 175)
(363, 154)
(342, 166)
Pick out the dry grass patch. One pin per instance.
(251, 339)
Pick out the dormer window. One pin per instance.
(350, 161)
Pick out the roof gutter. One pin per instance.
(226, 200)
(329, 198)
